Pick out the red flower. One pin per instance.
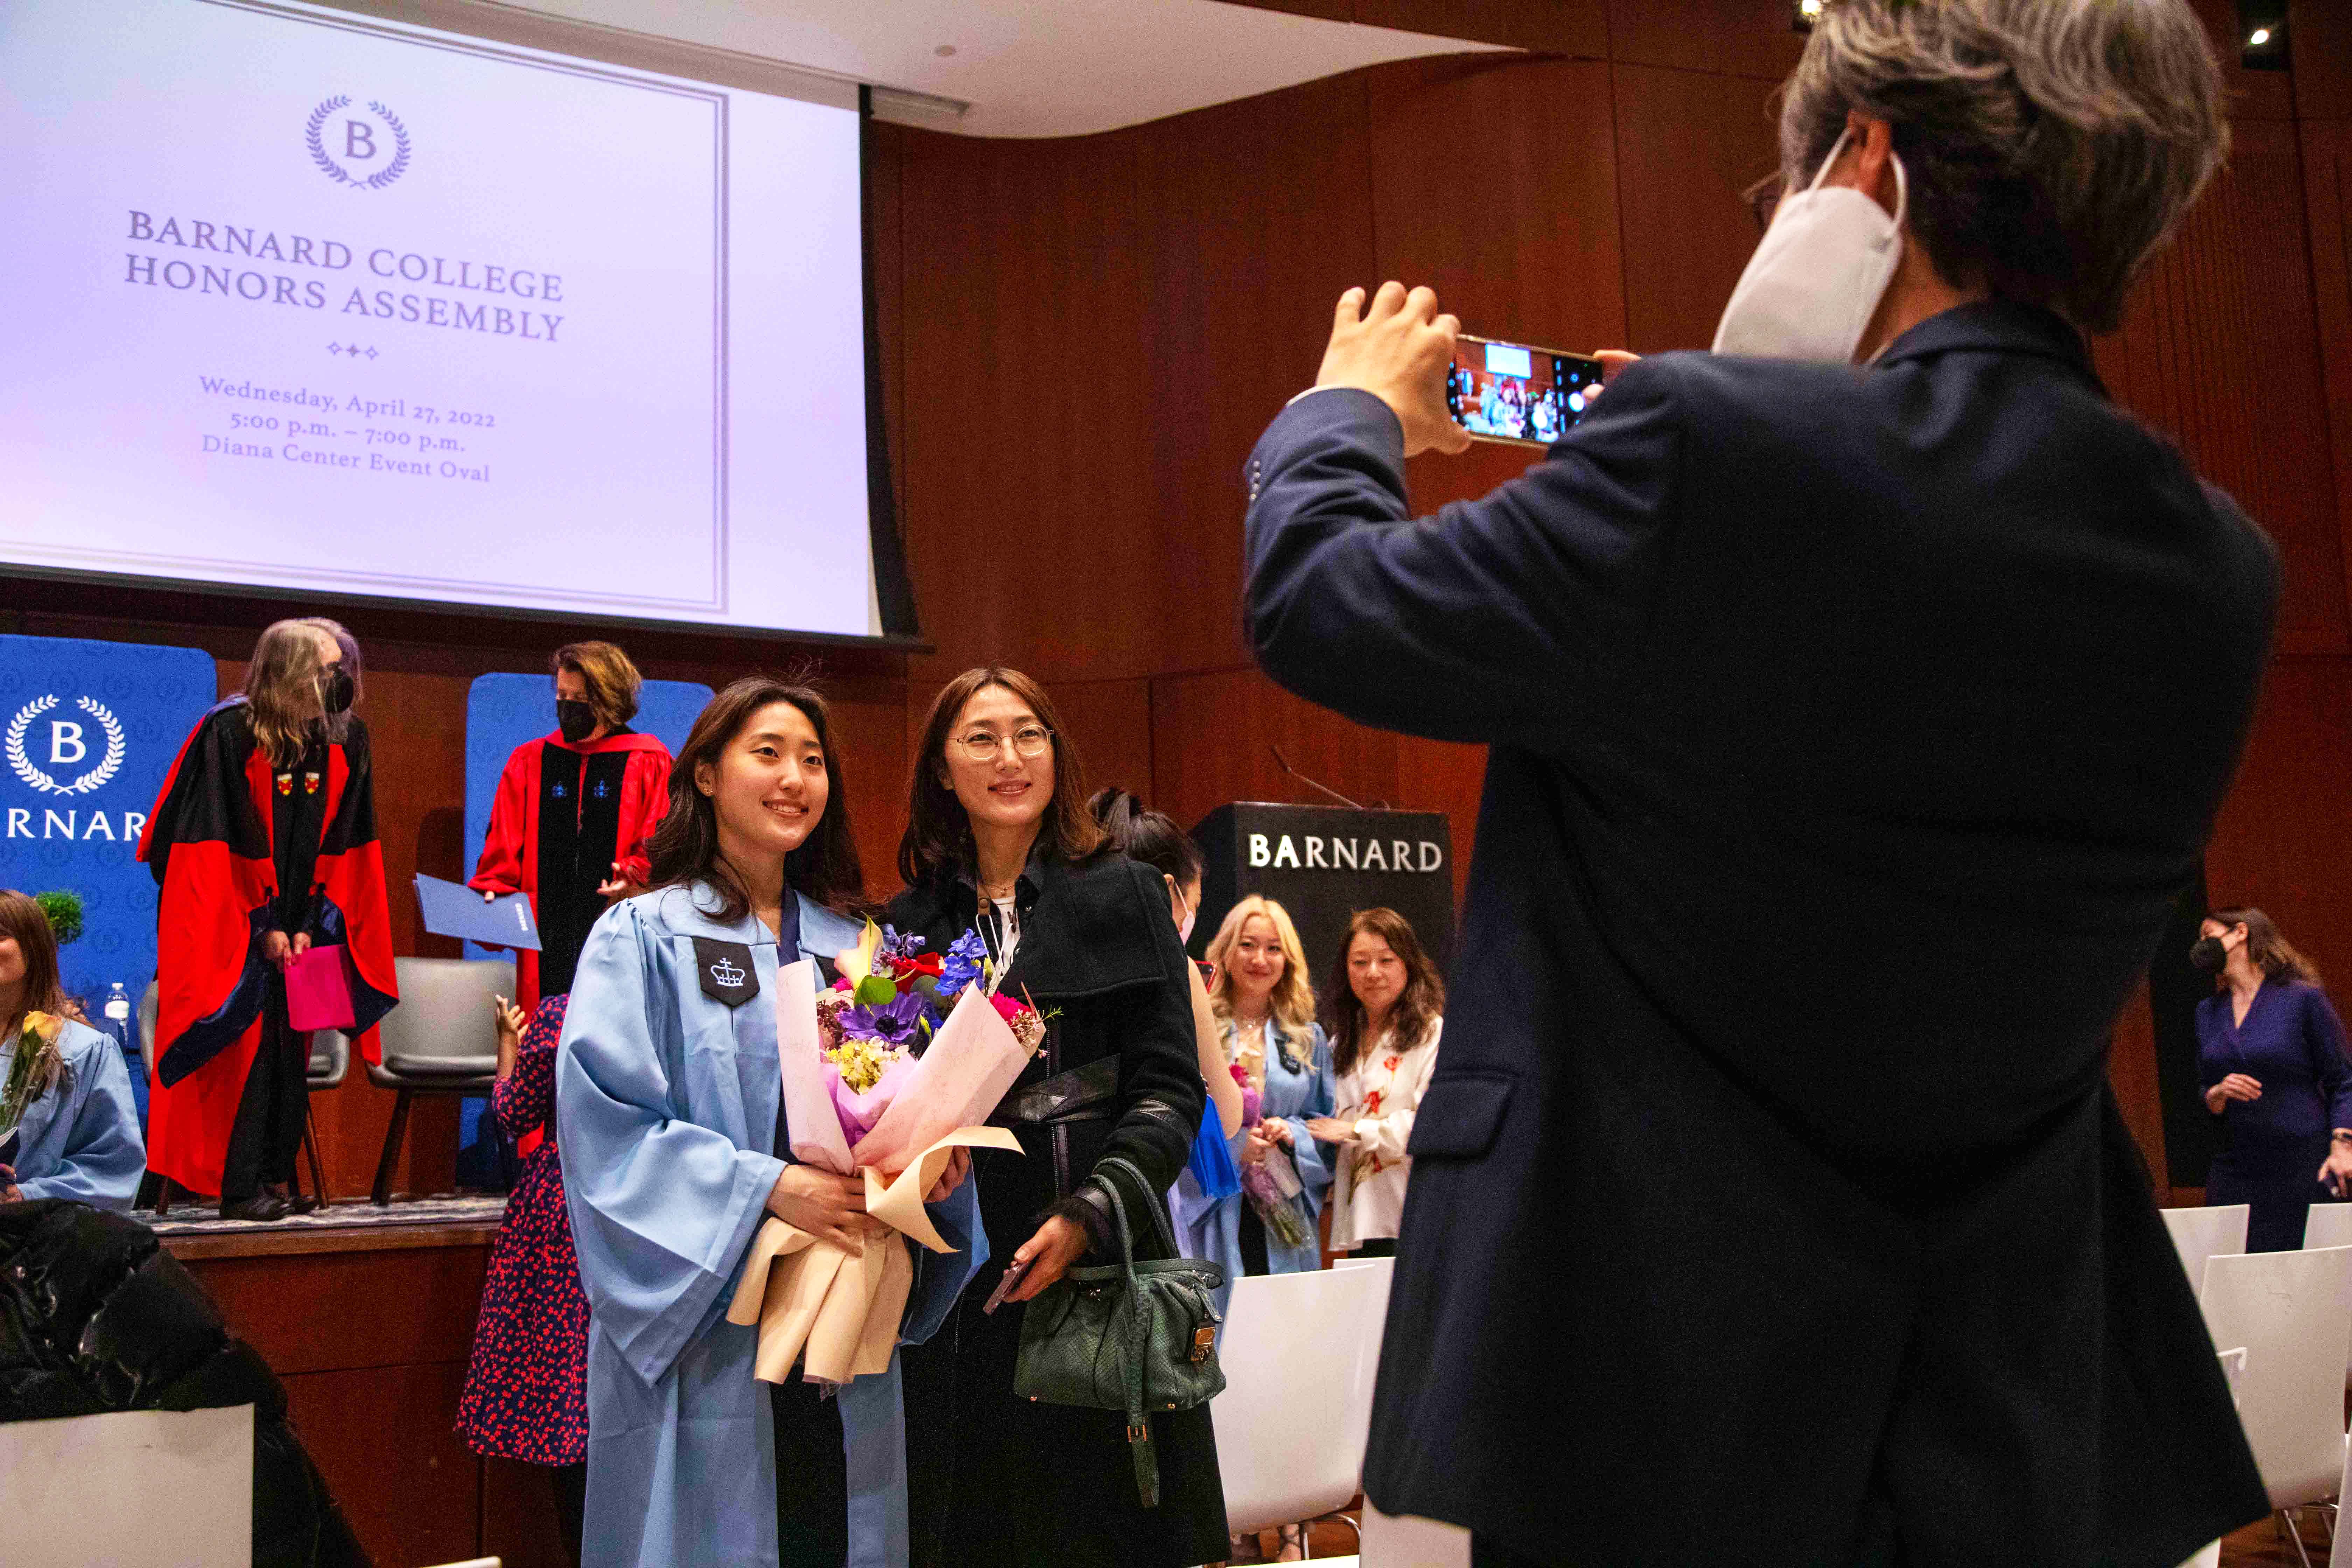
(1393, 1063)
(1372, 1103)
(929, 963)
(1007, 1007)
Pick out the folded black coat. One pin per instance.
(96, 1316)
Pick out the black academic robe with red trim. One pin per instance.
(562, 816)
(207, 842)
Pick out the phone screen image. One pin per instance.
(1509, 392)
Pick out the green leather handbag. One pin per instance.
(1134, 1337)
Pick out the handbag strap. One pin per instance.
(1139, 1334)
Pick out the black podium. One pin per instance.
(1323, 864)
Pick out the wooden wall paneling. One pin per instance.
(1028, 452)
(1212, 735)
(1735, 38)
(326, 1311)
(2320, 34)
(2220, 350)
(2327, 203)
(1259, 215)
(1689, 146)
(1441, 776)
(1550, 26)
(382, 1437)
(2285, 836)
(2132, 1074)
(1111, 721)
(1518, 235)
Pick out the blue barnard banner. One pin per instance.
(502, 711)
(88, 729)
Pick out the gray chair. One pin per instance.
(443, 1038)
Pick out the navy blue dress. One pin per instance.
(2293, 1044)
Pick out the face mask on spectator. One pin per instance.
(1815, 281)
(2207, 954)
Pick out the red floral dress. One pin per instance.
(527, 1390)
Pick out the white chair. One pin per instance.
(2201, 1234)
(138, 1488)
(2327, 1224)
(2291, 1311)
(1290, 1424)
(443, 1038)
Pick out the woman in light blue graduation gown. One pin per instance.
(80, 1138)
(1267, 1010)
(669, 1100)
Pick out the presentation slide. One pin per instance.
(304, 300)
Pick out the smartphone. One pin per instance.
(1013, 1274)
(1515, 393)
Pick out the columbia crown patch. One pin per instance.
(726, 971)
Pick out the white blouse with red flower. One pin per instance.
(1379, 1094)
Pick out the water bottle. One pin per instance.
(117, 1013)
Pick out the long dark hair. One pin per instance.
(22, 917)
(2268, 950)
(939, 831)
(685, 848)
(1139, 832)
(1417, 1005)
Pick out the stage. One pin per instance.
(366, 1315)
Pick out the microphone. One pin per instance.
(1284, 763)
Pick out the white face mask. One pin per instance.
(1184, 926)
(1815, 281)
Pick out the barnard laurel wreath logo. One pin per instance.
(366, 152)
(69, 743)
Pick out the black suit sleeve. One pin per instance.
(1162, 1094)
(1478, 623)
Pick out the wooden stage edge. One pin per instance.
(392, 1235)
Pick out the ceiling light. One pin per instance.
(2262, 35)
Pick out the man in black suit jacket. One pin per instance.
(1853, 727)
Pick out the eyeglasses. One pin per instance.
(1029, 741)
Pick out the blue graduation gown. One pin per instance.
(80, 1140)
(1209, 1229)
(668, 1102)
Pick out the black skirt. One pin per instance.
(997, 1481)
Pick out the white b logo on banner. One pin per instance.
(69, 743)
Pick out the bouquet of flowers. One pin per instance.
(1264, 1183)
(35, 1067)
(886, 1074)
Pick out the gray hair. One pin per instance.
(2052, 145)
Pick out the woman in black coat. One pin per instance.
(998, 845)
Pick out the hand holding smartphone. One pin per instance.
(1004, 1286)
(1516, 393)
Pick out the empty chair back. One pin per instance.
(1290, 1351)
(2292, 1312)
(444, 1025)
(330, 1057)
(2201, 1234)
(2327, 1224)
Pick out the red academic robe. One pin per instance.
(207, 842)
(563, 815)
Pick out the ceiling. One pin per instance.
(1024, 68)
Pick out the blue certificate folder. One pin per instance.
(453, 908)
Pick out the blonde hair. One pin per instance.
(613, 682)
(281, 687)
(1294, 997)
